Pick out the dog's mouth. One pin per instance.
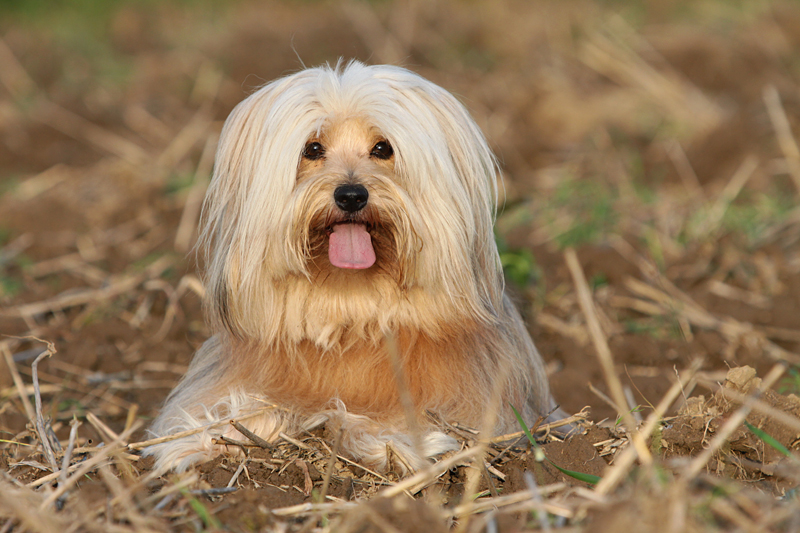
(350, 245)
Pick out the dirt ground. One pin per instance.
(658, 143)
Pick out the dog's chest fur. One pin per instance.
(362, 374)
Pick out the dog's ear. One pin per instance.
(451, 174)
(254, 174)
(477, 168)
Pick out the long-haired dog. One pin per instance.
(352, 275)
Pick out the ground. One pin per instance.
(656, 143)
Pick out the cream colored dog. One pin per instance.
(351, 265)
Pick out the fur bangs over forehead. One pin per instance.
(444, 173)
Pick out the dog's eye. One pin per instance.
(382, 150)
(313, 151)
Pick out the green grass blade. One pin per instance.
(523, 425)
(769, 439)
(580, 476)
(4, 441)
(538, 453)
(209, 520)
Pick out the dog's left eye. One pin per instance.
(313, 151)
(382, 150)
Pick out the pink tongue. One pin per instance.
(350, 246)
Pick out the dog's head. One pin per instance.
(359, 183)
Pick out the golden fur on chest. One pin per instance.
(437, 374)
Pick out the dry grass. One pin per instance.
(649, 225)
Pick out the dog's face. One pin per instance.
(357, 195)
(349, 212)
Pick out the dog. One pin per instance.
(352, 275)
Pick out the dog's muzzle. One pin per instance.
(350, 244)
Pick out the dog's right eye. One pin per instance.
(313, 151)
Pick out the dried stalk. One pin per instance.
(419, 480)
(406, 401)
(169, 438)
(86, 467)
(65, 462)
(783, 131)
(21, 389)
(331, 463)
(43, 427)
(252, 436)
(64, 301)
(194, 201)
(624, 462)
(604, 353)
(544, 428)
(518, 497)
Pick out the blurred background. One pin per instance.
(656, 138)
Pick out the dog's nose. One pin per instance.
(351, 198)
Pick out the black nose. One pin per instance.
(351, 198)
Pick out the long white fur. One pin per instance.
(440, 197)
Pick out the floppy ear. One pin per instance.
(477, 169)
(224, 229)
(447, 167)
(254, 174)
